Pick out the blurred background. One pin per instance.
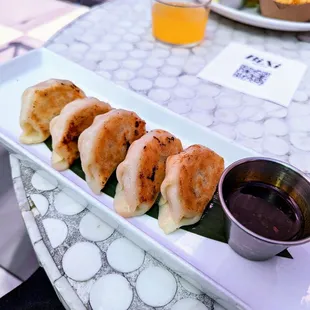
(24, 25)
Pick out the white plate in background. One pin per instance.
(253, 18)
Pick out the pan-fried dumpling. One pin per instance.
(65, 129)
(103, 145)
(142, 172)
(41, 103)
(191, 180)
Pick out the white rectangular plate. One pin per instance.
(279, 283)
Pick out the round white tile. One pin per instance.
(155, 62)
(301, 123)
(111, 292)
(139, 54)
(180, 106)
(56, 231)
(171, 71)
(189, 304)
(247, 112)
(229, 101)
(298, 109)
(66, 205)
(226, 116)
(166, 82)
(40, 202)
(183, 52)
(259, 116)
(159, 95)
(156, 286)
(79, 47)
(276, 127)
(141, 84)
(112, 38)
(275, 145)
(160, 53)
(116, 55)
(250, 129)
(300, 140)
(205, 103)
(124, 256)
(252, 101)
(175, 61)
(193, 65)
(82, 261)
(201, 117)
(102, 46)
(200, 51)
(93, 229)
(300, 96)
(137, 31)
(132, 64)
(189, 80)
(124, 75)
(184, 92)
(42, 181)
(108, 65)
(208, 90)
(189, 287)
(145, 45)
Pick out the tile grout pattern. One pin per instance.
(38, 191)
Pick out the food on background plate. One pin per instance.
(293, 2)
(142, 172)
(65, 129)
(291, 10)
(250, 3)
(104, 145)
(40, 104)
(189, 185)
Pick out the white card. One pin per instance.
(256, 73)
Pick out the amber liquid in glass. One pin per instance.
(178, 23)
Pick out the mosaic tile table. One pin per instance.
(90, 264)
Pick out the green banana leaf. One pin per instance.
(210, 226)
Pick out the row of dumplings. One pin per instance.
(148, 164)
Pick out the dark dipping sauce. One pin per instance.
(266, 210)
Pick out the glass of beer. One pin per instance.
(180, 23)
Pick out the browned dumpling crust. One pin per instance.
(40, 104)
(142, 172)
(189, 185)
(65, 129)
(104, 145)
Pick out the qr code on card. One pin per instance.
(249, 74)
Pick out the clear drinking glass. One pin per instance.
(180, 23)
